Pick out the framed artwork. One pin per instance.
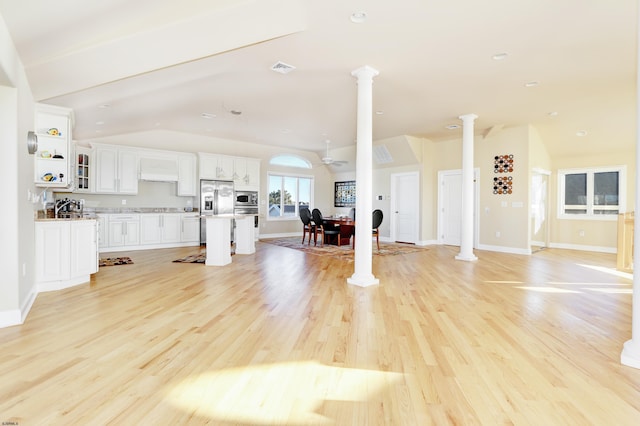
(503, 166)
(345, 194)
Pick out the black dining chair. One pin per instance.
(322, 229)
(307, 224)
(375, 222)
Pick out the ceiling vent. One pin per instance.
(282, 68)
(382, 155)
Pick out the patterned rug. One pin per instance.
(112, 261)
(194, 258)
(342, 252)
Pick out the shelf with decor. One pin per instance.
(52, 158)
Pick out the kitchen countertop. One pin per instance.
(91, 213)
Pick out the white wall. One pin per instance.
(17, 289)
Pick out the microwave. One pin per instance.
(246, 198)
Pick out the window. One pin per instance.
(591, 193)
(290, 160)
(287, 193)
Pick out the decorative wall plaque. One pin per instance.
(345, 194)
(503, 164)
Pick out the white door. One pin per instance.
(405, 207)
(539, 209)
(450, 207)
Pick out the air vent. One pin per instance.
(282, 68)
(382, 155)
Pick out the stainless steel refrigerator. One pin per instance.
(216, 197)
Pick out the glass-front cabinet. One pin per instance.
(52, 159)
(84, 164)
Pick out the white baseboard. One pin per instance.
(599, 249)
(18, 316)
(502, 249)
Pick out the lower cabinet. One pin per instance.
(66, 253)
(191, 228)
(124, 230)
(143, 231)
(160, 228)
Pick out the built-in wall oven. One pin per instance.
(246, 202)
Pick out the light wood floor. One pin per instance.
(280, 338)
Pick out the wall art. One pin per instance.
(345, 194)
(503, 164)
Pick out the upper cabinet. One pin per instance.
(187, 176)
(116, 169)
(243, 171)
(84, 169)
(52, 159)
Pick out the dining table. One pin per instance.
(347, 229)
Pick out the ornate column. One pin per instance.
(631, 351)
(466, 231)
(362, 275)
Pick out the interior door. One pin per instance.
(450, 207)
(539, 210)
(405, 207)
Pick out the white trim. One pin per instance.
(599, 249)
(14, 317)
(503, 249)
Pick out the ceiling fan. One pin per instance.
(327, 160)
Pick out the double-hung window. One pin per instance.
(287, 193)
(595, 193)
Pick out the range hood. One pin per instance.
(158, 169)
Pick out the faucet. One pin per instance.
(60, 204)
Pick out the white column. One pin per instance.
(466, 231)
(362, 275)
(631, 351)
(218, 240)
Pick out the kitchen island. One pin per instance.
(218, 241)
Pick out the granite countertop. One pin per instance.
(91, 213)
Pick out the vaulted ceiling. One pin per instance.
(205, 67)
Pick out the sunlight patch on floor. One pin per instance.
(286, 393)
(548, 289)
(610, 271)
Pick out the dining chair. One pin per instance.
(352, 216)
(321, 229)
(375, 222)
(307, 224)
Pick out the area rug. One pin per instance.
(113, 261)
(194, 258)
(342, 252)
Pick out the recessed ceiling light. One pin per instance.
(379, 112)
(553, 114)
(531, 84)
(99, 123)
(207, 115)
(452, 126)
(104, 106)
(500, 56)
(358, 17)
(286, 131)
(581, 133)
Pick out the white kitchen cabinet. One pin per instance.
(52, 160)
(247, 173)
(187, 177)
(84, 248)
(124, 230)
(214, 166)
(116, 170)
(66, 253)
(84, 169)
(53, 239)
(191, 228)
(160, 228)
(103, 231)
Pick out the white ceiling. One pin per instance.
(160, 64)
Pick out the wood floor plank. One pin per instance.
(279, 337)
